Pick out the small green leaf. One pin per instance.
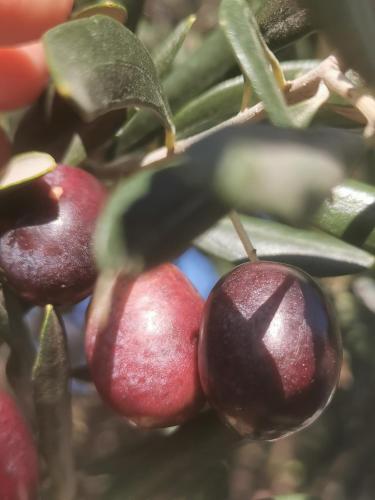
(242, 31)
(349, 214)
(208, 65)
(213, 60)
(87, 8)
(25, 168)
(165, 54)
(102, 66)
(53, 405)
(315, 252)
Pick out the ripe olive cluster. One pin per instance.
(264, 350)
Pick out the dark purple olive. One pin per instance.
(46, 230)
(270, 350)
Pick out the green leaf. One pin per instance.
(165, 54)
(284, 21)
(155, 215)
(211, 108)
(152, 218)
(317, 253)
(242, 31)
(87, 8)
(202, 69)
(350, 27)
(349, 214)
(224, 101)
(102, 66)
(5, 334)
(53, 406)
(283, 172)
(25, 168)
(213, 60)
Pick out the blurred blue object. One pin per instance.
(199, 269)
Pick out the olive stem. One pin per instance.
(295, 91)
(243, 236)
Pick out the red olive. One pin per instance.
(269, 351)
(46, 229)
(143, 359)
(18, 457)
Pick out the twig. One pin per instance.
(359, 98)
(243, 236)
(296, 91)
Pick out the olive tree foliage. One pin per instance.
(183, 141)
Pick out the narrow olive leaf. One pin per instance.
(87, 8)
(101, 66)
(165, 54)
(53, 405)
(211, 108)
(349, 214)
(280, 23)
(224, 101)
(315, 252)
(153, 217)
(25, 168)
(350, 27)
(283, 172)
(242, 31)
(75, 153)
(208, 65)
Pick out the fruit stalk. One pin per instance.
(243, 236)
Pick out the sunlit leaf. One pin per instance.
(101, 66)
(25, 168)
(53, 406)
(165, 54)
(242, 31)
(349, 214)
(317, 253)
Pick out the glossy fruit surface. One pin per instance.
(23, 76)
(269, 350)
(46, 230)
(18, 457)
(143, 359)
(22, 21)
